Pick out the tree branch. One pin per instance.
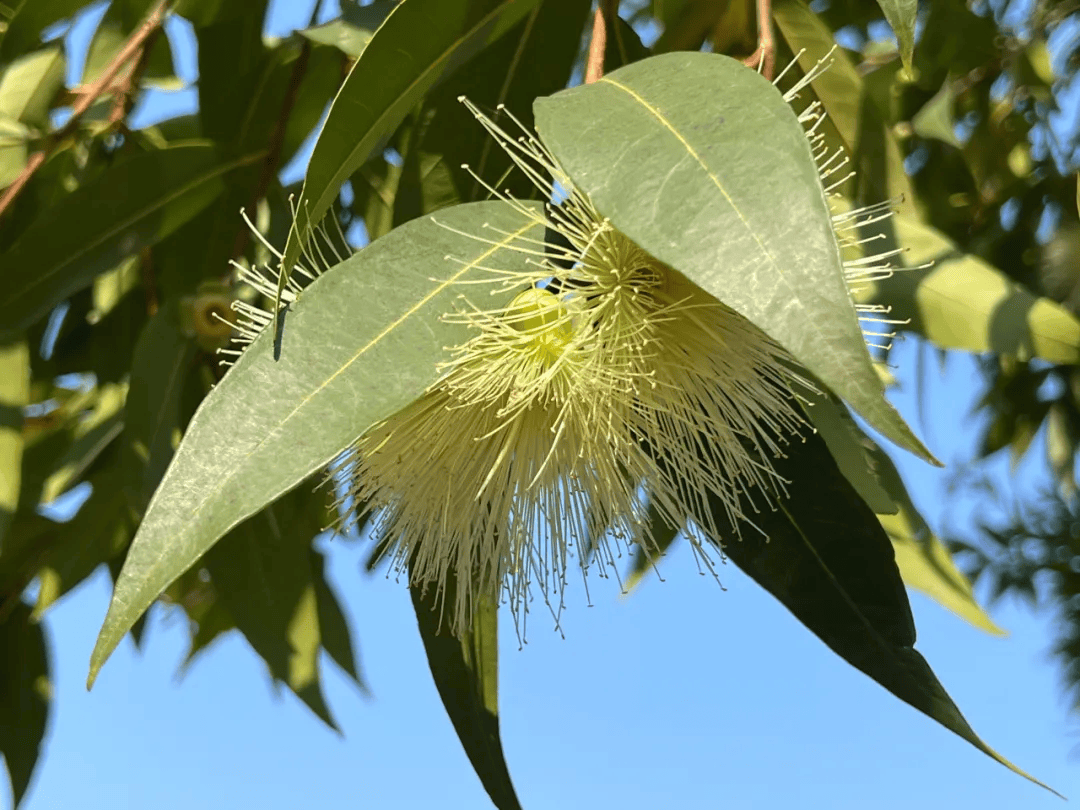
(594, 65)
(87, 97)
(764, 58)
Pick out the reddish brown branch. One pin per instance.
(87, 97)
(764, 58)
(594, 66)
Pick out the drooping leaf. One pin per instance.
(823, 554)
(133, 204)
(261, 572)
(25, 696)
(961, 302)
(362, 342)
(466, 673)
(421, 42)
(14, 395)
(701, 162)
(333, 626)
(901, 15)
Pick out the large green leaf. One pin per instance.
(466, 673)
(25, 693)
(961, 302)
(701, 162)
(901, 16)
(14, 394)
(362, 342)
(131, 205)
(823, 554)
(421, 42)
(261, 572)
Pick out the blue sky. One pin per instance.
(679, 695)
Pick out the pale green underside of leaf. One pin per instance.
(701, 162)
(901, 16)
(361, 343)
(421, 42)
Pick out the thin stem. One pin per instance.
(764, 58)
(594, 67)
(87, 97)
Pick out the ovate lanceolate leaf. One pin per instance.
(363, 341)
(466, 672)
(421, 42)
(702, 163)
(132, 205)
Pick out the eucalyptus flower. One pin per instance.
(605, 383)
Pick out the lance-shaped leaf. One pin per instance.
(362, 342)
(132, 205)
(958, 301)
(421, 42)
(466, 672)
(702, 163)
(823, 554)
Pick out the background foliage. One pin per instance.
(115, 244)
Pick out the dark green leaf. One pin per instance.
(823, 554)
(27, 19)
(351, 32)
(466, 673)
(421, 42)
(333, 626)
(25, 693)
(132, 205)
(269, 424)
(112, 35)
(674, 145)
(162, 359)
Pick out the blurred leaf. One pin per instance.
(645, 559)
(110, 38)
(261, 572)
(961, 302)
(268, 425)
(202, 13)
(14, 394)
(623, 45)
(924, 562)
(29, 85)
(163, 356)
(823, 554)
(91, 436)
(333, 626)
(13, 150)
(935, 119)
(466, 673)
(133, 204)
(1062, 438)
(421, 43)
(352, 31)
(27, 19)
(901, 15)
(697, 166)
(25, 695)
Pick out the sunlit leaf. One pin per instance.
(14, 395)
(362, 342)
(701, 162)
(901, 16)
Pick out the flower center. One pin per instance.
(545, 322)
